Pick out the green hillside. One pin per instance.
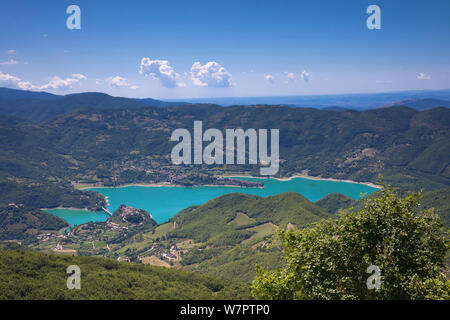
(225, 237)
(230, 233)
(212, 222)
(333, 202)
(18, 222)
(37, 194)
(26, 274)
(440, 201)
(41, 106)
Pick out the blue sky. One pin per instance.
(243, 48)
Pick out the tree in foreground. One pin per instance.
(330, 259)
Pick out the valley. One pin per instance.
(209, 220)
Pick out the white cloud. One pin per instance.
(78, 76)
(10, 62)
(9, 81)
(58, 84)
(422, 76)
(211, 74)
(119, 82)
(26, 85)
(11, 51)
(306, 77)
(269, 78)
(159, 69)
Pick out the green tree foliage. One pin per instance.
(19, 222)
(49, 195)
(331, 203)
(329, 260)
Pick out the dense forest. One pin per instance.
(20, 223)
(25, 274)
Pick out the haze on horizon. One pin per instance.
(204, 49)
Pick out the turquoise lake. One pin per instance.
(164, 202)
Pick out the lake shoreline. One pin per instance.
(164, 203)
(165, 184)
(67, 208)
(304, 176)
(168, 184)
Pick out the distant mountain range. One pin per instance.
(356, 101)
(14, 94)
(420, 104)
(40, 106)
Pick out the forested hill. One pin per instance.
(18, 222)
(40, 106)
(25, 274)
(410, 148)
(212, 222)
(228, 236)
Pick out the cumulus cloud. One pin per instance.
(269, 78)
(159, 69)
(59, 84)
(306, 77)
(9, 81)
(10, 62)
(26, 85)
(423, 76)
(78, 76)
(56, 83)
(119, 82)
(211, 74)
